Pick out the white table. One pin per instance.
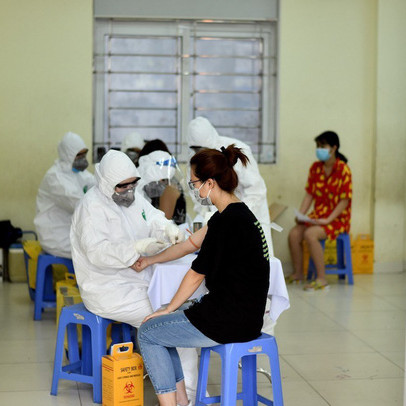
(167, 277)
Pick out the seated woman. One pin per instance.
(234, 262)
(160, 185)
(329, 185)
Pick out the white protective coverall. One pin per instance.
(132, 140)
(103, 237)
(251, 186)
(58, 194)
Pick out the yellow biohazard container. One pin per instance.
(67, 294)
(33, 249)
(363, 254)
(122, 377)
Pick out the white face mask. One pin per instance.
(204, 201)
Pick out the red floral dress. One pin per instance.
(327, 192)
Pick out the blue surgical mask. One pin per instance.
(204, 201)
(323, 154)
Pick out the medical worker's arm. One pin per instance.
(341, 206)
(190, 283)
(93, 229)
(65, 193)
(161, 228)
(156, 220)
(193, 243)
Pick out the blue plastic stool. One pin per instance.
(343, 267)
(230, 356)
(86, 369)
(49, 294)
(43, 297)
(30, 290)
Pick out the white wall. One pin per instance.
(390, 170)
(327, 82)
(46, 90)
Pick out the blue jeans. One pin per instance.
(158, 339)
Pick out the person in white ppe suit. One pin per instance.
(251, 187)
(132, 146)
(64, 184)
(160, 184)
(112, 226)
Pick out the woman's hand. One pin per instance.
(156, 314)
(322, 222)
(140, 264)
(299, 222)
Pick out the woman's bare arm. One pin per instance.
(306, 203)
(190, 283)
(193, 243)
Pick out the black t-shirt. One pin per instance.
(234, 258)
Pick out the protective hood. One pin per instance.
(133, 140)
(69, 146)
(114, 167)
(156, 166)
(202, 134)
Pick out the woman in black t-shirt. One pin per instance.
(234, 262)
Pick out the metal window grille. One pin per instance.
(154, 78)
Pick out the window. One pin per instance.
(154, 77)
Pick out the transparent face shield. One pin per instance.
(171, 172)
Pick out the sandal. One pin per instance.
(316, 285)
(290, 279)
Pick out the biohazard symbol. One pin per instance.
(129, 386)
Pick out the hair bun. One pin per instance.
(231, 160)
(232, 154)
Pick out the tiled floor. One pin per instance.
(342, 347)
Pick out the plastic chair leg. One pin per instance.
(87, 351)
(348, 260)
(229, 376)
(39, 290)
(275, 373)
(73, 347)
(203, 375)
(98, 344)
(249, 380)
(59, 350)
(127, 331)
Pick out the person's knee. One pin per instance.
(310, 235)
(142, 333)
(296, 234)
